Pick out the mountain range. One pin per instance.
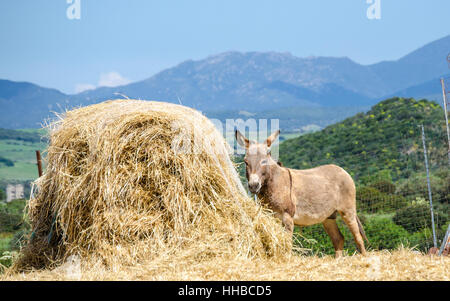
(262, 83)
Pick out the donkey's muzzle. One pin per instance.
(254, 187)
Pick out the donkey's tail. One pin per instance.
(361, 229)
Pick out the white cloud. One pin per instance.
(83, 87)
(110, 79)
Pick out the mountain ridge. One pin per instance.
(251, 81)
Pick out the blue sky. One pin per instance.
(118, 41)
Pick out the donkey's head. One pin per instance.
(257, 160)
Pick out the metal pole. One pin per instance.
(444, 97)
(444, 242)
(39, 162)
(429, 187)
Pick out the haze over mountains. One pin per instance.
(265, 83)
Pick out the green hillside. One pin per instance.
(27, 135)
(17, 154)
(385, 139)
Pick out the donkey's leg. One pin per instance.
(337, 239)
(288, 222)
(349, 218)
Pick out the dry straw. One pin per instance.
(402, 264)
(128, 181)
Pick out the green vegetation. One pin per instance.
(17, 166)
(11, 216)
(21, 171)
(417, 184)
(28, 135)
(14, 229)
(372, 200)
(6, 162)
(380, 230)
(5, 239)
(417, 216)
(17, 154)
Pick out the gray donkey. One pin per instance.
(303, 197)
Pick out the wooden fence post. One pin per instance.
(39, 162)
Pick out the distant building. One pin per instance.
(14, 192)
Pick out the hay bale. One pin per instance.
(129, 180)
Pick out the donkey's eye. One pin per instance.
(263, 162)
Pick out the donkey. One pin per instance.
(303, 197)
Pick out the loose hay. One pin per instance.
(130, 181)
(402, 264)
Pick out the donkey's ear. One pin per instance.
(244, 142)
(272, 138)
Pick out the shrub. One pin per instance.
(5, 239)
(383, 175)
(11, 216)
(384, 186)
(418, 216)
(6, 259)
(423, 239)
(6, 162)
(369, 198)
(317, 240)
(19, 239)
(16, 206)
(394, 202)
(381, 231)
(9, 221)
(417, 185)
